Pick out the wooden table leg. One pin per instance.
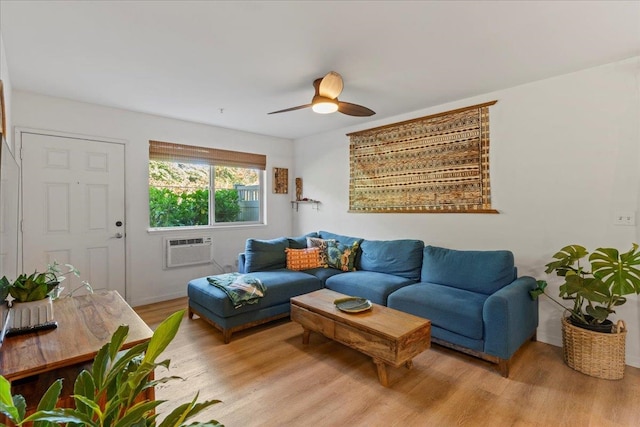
(305, 336)
(382, 372)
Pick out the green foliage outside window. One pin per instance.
(171, 209)
(179, 194)
(227, 205)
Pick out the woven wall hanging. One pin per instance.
(433, 164)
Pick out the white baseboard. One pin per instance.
(632, 360)
(552, 339)
(158, 298)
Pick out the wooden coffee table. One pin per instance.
(389, 336)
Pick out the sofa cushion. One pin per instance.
(476, 271)
(281, 286)
(367, 284)
(449, 308)
(398, 257)
(265, 254)
(303, 259)
(323, 273)
(300, 242)
(346, 240)
(340, 256)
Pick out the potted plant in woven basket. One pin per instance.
(591, 342)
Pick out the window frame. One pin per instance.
(212, 197)
(213, 157)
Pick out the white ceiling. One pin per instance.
(190, 59)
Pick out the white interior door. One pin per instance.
(73, 208)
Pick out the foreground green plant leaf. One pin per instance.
(10, 405)
(187, 410)
(110, 394)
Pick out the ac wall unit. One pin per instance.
(188, 251)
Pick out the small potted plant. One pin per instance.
(595, 289)
(33, 294)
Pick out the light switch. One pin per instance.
(625, 218)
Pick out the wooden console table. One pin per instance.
(32, 362)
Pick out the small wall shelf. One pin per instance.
(296, 203)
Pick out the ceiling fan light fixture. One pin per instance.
(324, 105)
(325, 101)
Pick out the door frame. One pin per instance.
(19, 131)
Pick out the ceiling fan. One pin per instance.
(325, 100)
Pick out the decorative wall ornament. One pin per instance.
(281, 180)
(298, 189)
(433, 164)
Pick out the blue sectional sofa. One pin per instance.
(474, 299)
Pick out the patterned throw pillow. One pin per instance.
(303, 259)
(342, 257)
(314, 242)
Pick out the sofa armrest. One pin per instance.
(241, 261)
(510, 317)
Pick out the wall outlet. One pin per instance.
(625, 218)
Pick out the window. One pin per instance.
(182, 179)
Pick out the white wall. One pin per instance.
(565, 156)
(147, 282)
(7, 89)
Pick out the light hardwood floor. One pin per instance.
(267, 377)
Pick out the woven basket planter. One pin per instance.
(596, 354)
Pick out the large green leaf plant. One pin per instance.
(597, 291)
(108, 395)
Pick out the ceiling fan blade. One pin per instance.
(331, 85)
(299, 107)
(354, 109)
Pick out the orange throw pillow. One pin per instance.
(303, 259)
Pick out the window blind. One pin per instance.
(170, 152)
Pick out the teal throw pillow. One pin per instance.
(340, 256)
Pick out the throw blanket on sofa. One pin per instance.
(240, 288)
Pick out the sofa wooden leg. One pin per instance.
(503, 367)
(534, 337)
(226, 335)
(190, 313)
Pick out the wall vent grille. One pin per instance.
(188, 251)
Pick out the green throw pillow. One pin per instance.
(340, 256)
